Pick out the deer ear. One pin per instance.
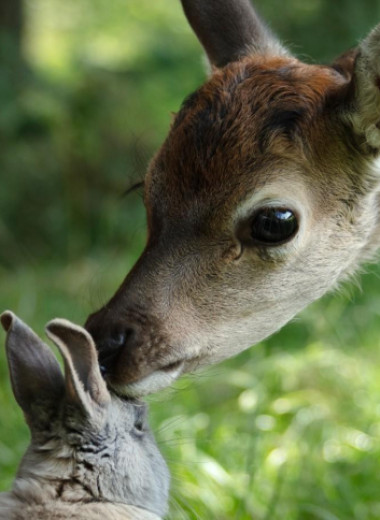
(229, 30)
(364, 113)
(85, 386)
(36, 377)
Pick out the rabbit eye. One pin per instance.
(139, 429)
(140, 424)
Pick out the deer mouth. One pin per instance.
(172, 366)
(151, 383)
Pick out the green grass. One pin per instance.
(288, 430)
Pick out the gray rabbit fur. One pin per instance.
(92, 455)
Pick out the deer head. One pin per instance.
(264, 196)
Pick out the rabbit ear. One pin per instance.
(36, 377)
(85, 386)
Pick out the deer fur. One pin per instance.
(265, 130)
(92, 454)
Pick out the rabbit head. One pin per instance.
(86, 442)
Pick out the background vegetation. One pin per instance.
(289, 430)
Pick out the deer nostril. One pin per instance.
(111, 342)
(110, 346)
(116, 340)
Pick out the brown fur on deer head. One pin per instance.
(264, 196)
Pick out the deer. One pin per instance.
(92, 454)
(264, 196)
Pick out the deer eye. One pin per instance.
(273, 225)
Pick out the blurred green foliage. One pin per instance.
(80, 117)
(289, 430)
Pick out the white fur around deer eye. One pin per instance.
(266, 201)
(270, 222)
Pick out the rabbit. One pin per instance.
(92, 454)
